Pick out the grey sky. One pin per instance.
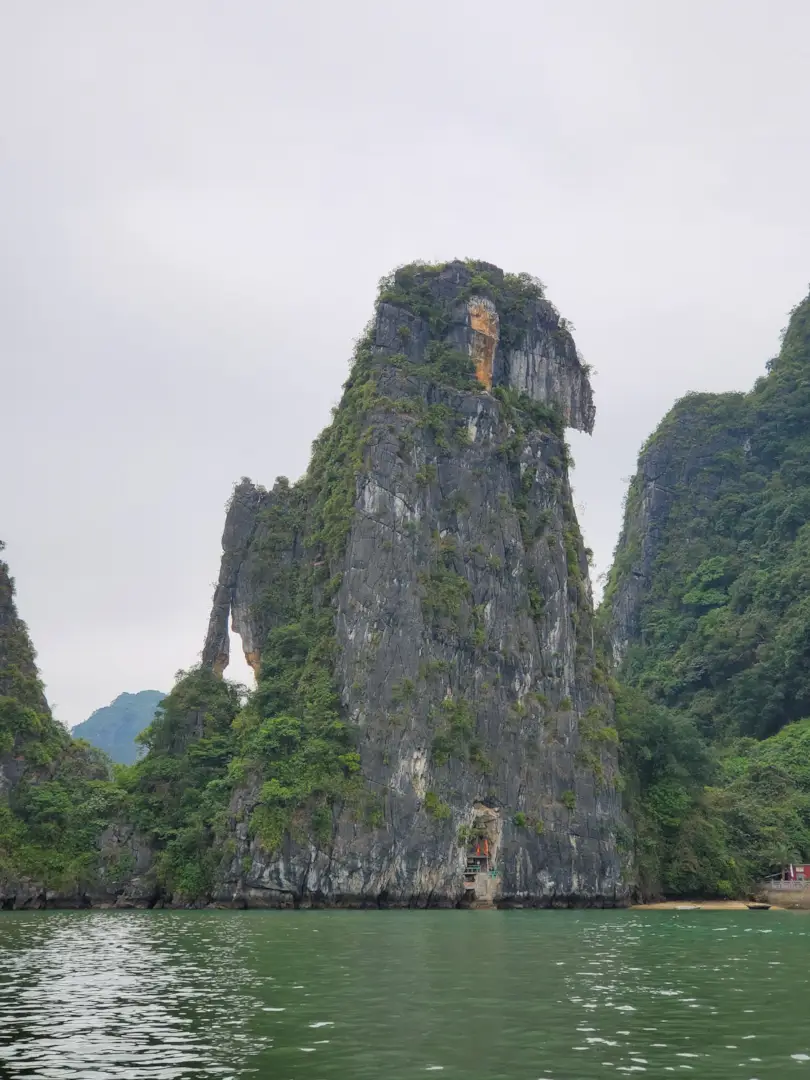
(197, 199)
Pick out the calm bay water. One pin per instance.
(393, 995)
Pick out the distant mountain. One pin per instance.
(113, 728)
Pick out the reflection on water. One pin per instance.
(389, 995)
(122, 996)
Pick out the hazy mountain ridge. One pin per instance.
(113, 727)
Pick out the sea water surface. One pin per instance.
(390, 995)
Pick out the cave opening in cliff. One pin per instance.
(477, 860)
(480, 866)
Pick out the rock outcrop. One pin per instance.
(456, 584)
(699, 441)
(252, 561)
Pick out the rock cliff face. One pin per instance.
(445, 558)
(706, 581)
(698, 444)
(246, 571)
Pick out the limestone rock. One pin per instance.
(457, 490)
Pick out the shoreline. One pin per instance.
(700, 905)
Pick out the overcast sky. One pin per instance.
(197, 199)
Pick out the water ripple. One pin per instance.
(100, 996)
(478, 996)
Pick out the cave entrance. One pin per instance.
(480, 873)
(477, 861)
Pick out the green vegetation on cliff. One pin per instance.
(411, 287)
(177, 792)
(51, 823)
(55, 793)
(709, 597)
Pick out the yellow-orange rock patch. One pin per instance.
(484, 325)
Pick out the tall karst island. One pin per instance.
(431, 724)
(430, 721)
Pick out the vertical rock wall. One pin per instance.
(683, 459)
(464, 658)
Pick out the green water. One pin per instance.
(393, 995)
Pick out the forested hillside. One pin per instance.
(707, 611)
(56, 796)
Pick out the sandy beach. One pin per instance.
(696, 905)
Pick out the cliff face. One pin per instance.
(431, 569)
(707, 581)
(681, 470)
